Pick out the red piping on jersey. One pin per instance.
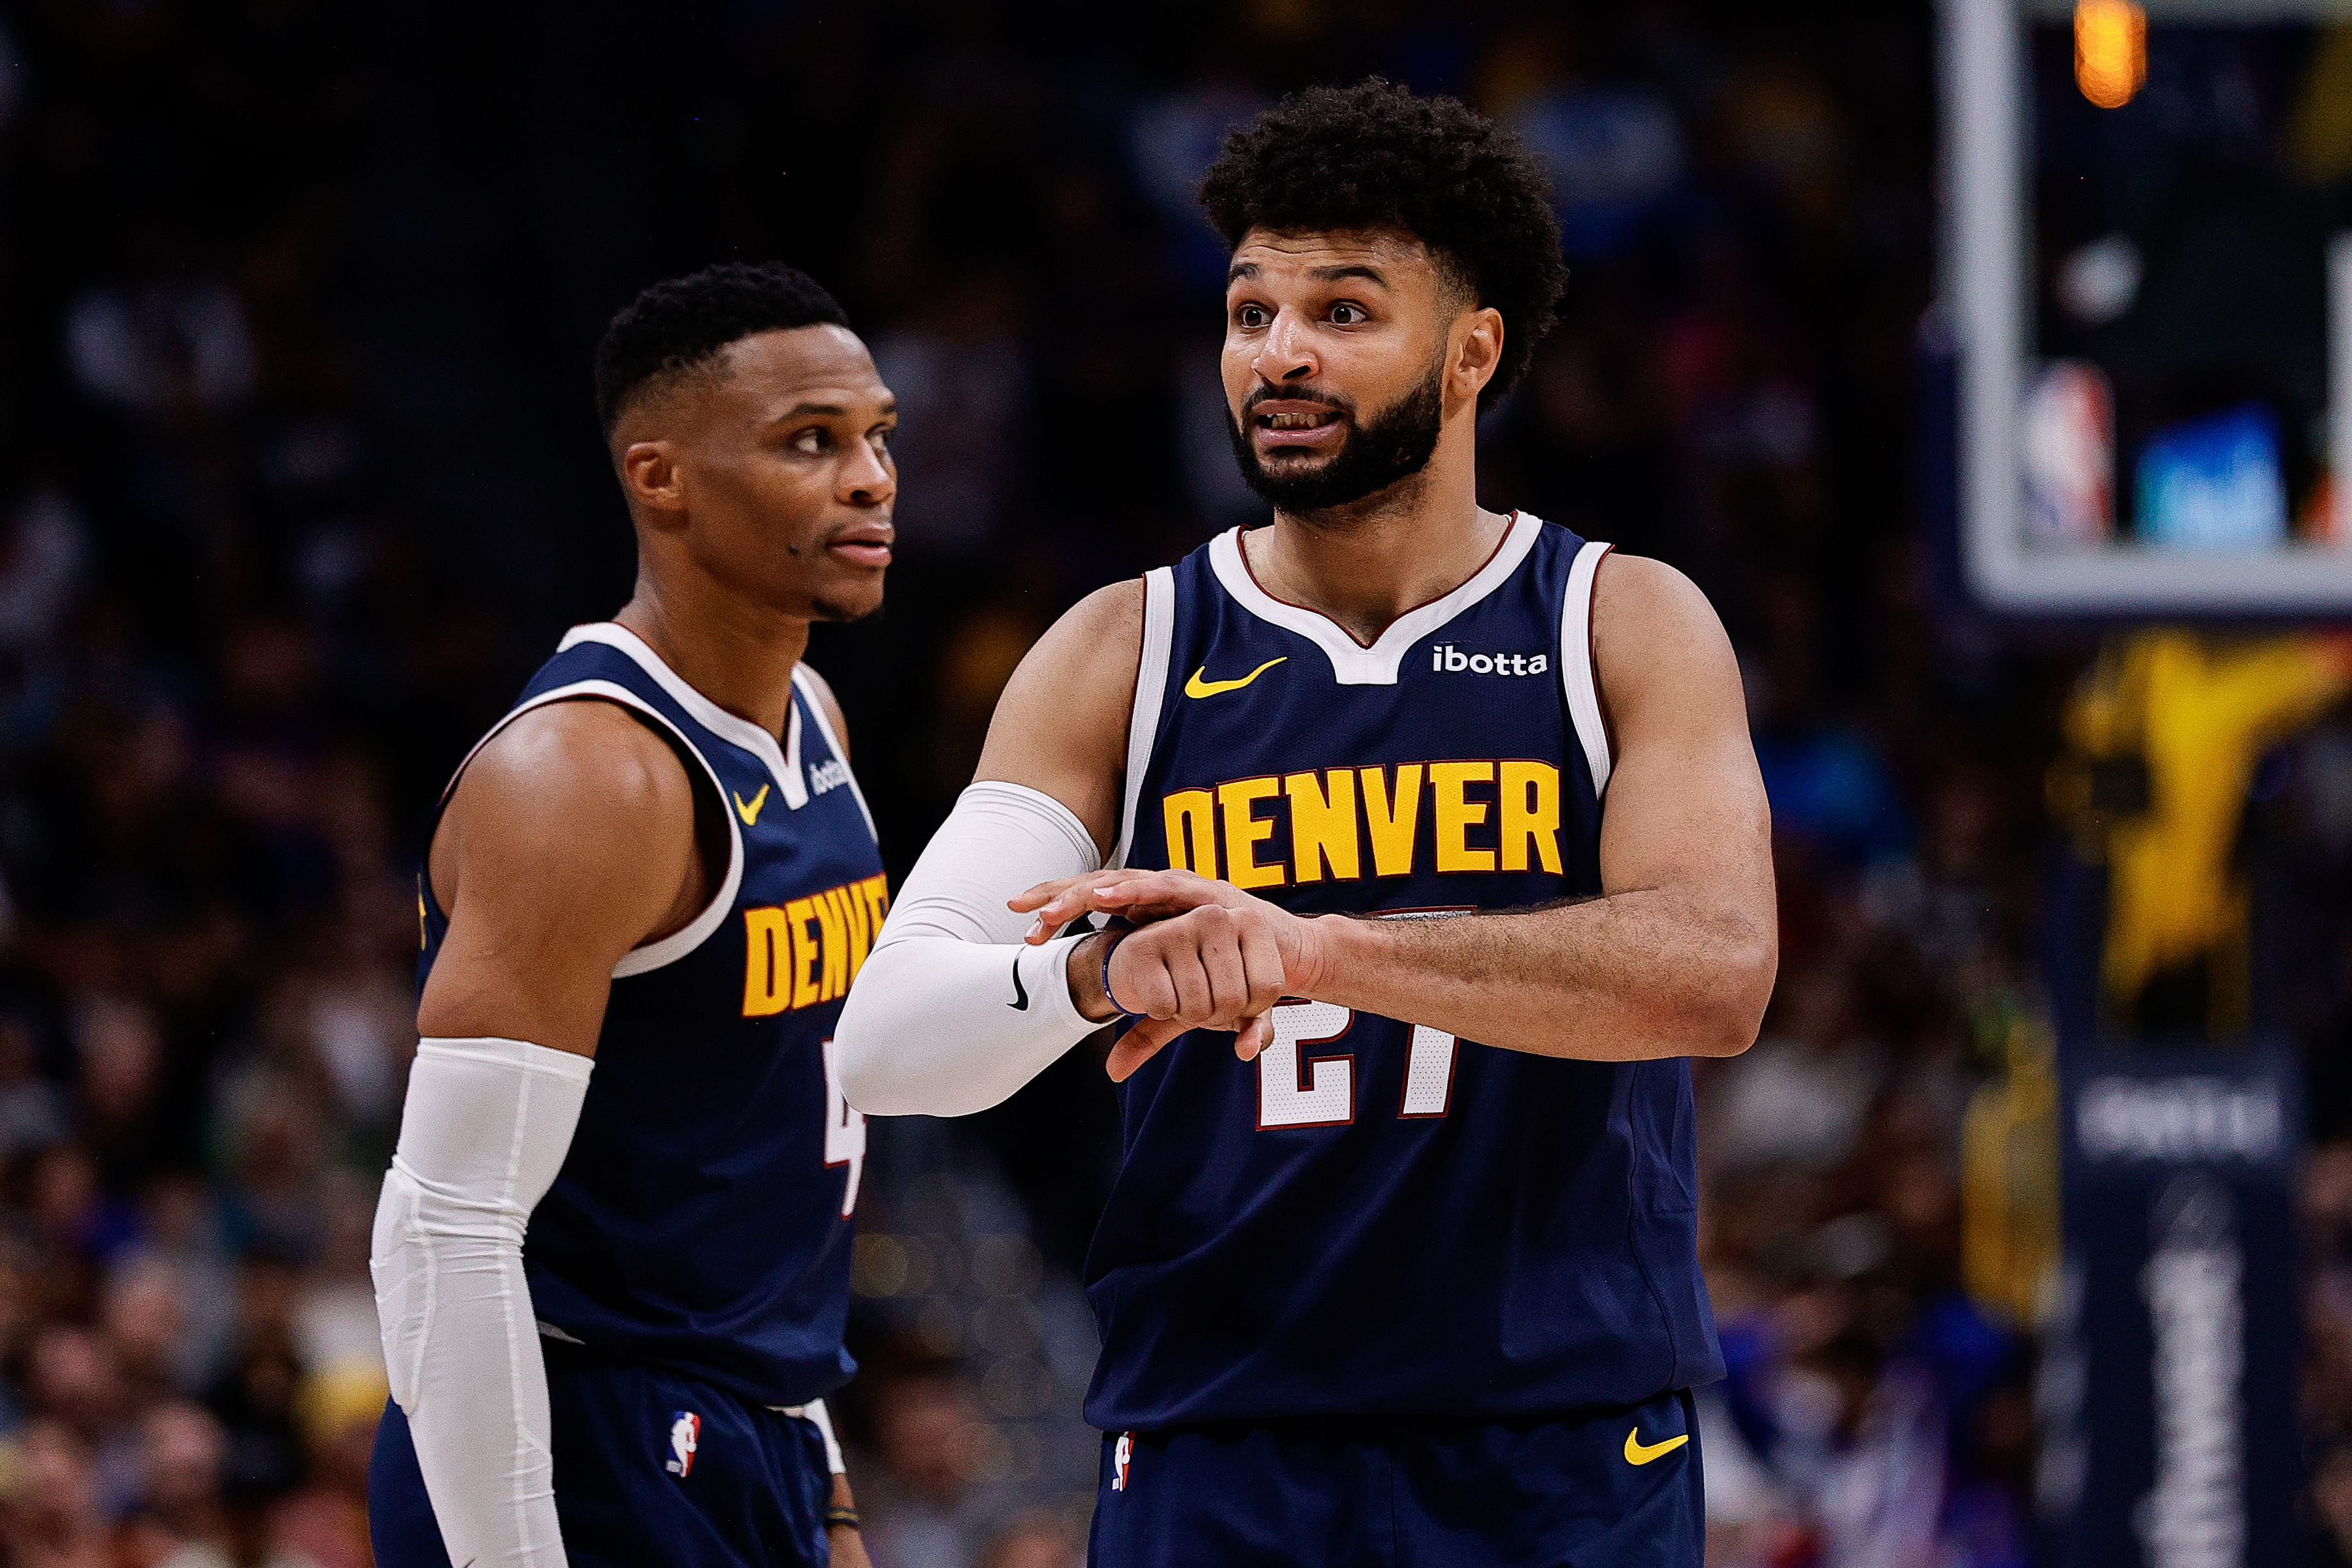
(1508, 529)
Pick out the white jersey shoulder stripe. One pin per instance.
(783, 764)
(1152, 675)
(652, 955)
(1576, 672)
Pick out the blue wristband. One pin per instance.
(1108, 994)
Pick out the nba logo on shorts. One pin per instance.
(684, 1433)
(1120, 1455)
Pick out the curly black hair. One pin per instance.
(1376, 155)
(679, 326)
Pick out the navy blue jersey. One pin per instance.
(701, 1221)
(1374, 1217)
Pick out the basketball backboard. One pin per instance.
(2149, 265)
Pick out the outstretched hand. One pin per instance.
(1204, 955)
(1142, 896)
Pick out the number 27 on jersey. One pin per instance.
(1297, 1089)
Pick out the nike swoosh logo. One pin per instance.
(1020, 1002)
(1196, 687)
(750, 812)
(1639, 1453)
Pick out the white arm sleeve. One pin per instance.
(484, 1130)
(952, 1012)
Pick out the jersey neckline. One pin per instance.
(1352, 663)
(782, 763)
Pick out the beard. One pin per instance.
(1394, 444)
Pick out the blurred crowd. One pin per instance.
(299, 479)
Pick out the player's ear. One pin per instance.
(650, 476)
(1477, 350)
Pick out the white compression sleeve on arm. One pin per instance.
(485, 1130)
(952, 1012)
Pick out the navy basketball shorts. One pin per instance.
(1615, 1490)
(737, 1486)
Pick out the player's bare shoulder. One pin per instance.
(573, 801)
(1095, 645)
(1061, 725)
(1653, 634)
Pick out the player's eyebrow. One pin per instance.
(827, 411)
(1241, 269)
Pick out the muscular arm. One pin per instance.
(1676, 958)
(1061, 726)
(569, 840)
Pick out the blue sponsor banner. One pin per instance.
(2167, 1389)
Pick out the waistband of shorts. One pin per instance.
(814, 1412)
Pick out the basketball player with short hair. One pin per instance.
(612, 1256)
(1401, 1264)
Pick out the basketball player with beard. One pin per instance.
(1433, 845)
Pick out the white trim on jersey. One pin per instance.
(840, 754)
(1352, 664)
(1150, 690)
(1576, 672)
(784, 765)
(693, 933)
(814, 1413)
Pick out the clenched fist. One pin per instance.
(1204, 955)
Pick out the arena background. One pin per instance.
(299, 479)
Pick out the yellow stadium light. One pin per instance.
(2110, 50)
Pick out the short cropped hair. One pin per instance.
(1377, 155)
(678, 327)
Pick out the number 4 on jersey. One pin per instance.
(1323, 1093)
(844, 1132)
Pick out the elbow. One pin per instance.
(863, 1085)
(875, 1082)
(871, 1064)
(1730, 1013)
(862, 1065)
(880, 1076)
(873, 1088)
